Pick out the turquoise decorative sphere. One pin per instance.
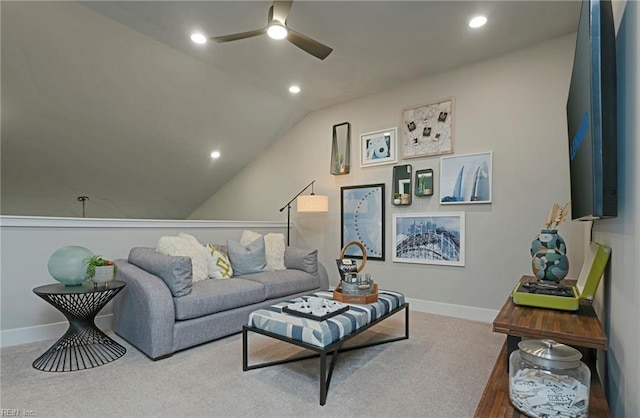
(68, 265)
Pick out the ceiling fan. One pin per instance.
(277, 28)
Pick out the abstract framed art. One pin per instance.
(377, 148)
(429, 238)
(362, 220)
(427, 129)
(466, 178)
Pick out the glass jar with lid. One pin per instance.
(547, 378)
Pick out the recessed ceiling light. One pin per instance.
(198, 38)
(215, 154)
(277, 31)
(477, 22)
(294, 89)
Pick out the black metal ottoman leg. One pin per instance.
(245, 348)
(406, 321)
(323, 378)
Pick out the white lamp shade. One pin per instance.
(313, 203)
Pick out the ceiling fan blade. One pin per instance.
(237, 36)
(308, 45)
(281, 10)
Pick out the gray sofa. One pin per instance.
(161, 311)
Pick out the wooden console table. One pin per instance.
(581, 329)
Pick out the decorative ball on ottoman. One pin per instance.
(68, 265)
(550, 265)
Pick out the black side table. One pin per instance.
(83, 346)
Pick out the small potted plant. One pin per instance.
(343, 166)
(100, 270)
(396, 199)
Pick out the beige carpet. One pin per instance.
(440, 371)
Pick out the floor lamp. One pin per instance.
(308, 203)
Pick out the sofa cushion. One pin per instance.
(221, 247)
(273, 247)
(249, 259)
(211, 296)
(189, 237)
(248, 237)
(175, 271)
(305, 260)
(177, 246)
(284, 282)
(219, 264)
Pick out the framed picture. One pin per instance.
(466, 179)
(340, 146)
(362, 215)
(377, 148)
(424, 182)
(429, 238)
(427, 129)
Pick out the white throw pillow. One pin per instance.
(213, 269)
(184, 247)
(221, 267)
(248, 237)
(274, 248)
(189, 237)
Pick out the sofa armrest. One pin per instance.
(144, 313)
(307, 261)
(323, 276)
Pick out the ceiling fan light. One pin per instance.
(198, 38)
(477, 22)
(277, 31)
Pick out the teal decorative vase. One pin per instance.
(68, 265)
(550, 261)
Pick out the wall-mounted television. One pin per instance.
(591, 115)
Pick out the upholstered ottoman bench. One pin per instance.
(322, 337)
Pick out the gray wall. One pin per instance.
(621, 282)
(513, 105)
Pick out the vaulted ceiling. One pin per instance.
(112, 100)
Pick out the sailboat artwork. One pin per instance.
(466, 179)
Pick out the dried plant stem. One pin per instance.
(556, 216)
(547, 224)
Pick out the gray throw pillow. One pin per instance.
(175, 271)
(299, 259)
(249, 259)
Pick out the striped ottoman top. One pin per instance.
(323, 333)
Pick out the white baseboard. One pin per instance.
(54, 331)
(456, 311)
(45, 332)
